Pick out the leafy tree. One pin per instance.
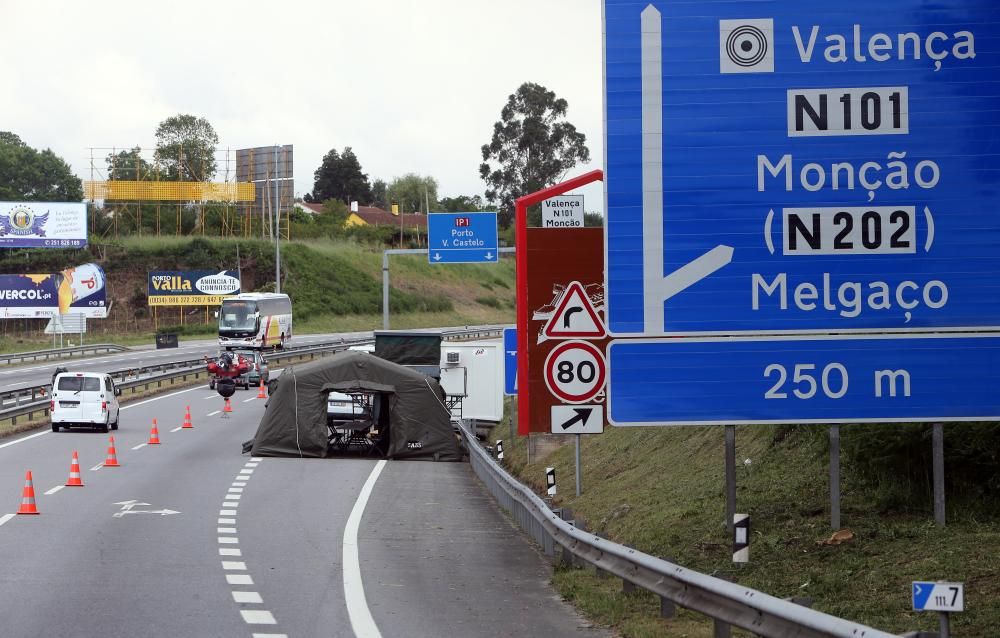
(128, 165)
(461, 203)
(593, 220)
(532, 147)
(380, 194)
(414, 192)
(30, 175)
(185, 148)
(340, 177)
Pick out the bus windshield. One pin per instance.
(238, 315)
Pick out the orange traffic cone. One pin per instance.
(260, 393)
(112, 460)
(74, 472)
(154, 435)
(187, 418)
(228, 408)
(28, 497)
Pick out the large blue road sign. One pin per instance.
(510, 361)
(712, 380)
(454, 238)
(783, 166)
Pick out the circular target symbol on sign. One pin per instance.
(575, 371)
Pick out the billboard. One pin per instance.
(79, 290)
(191, 287)
(43, 225)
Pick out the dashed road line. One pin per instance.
(239, 579)
(249, 400)
(258, 617)
(214, 413)
(230, 551)
(54, 490)
(250, 597)
(177, 429)
(225, 530)
(227, 512)
(228, 540)
(97, 467)
(229, 504)
(6, 517)
(270, 636)
(234, 565)
(225, 521)
(141, 445)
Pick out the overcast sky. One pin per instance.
(411, 85)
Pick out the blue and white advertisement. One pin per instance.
(191, 287)
(43, 225)
(80, 290)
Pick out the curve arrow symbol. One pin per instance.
(582, 415)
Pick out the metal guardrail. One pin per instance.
(727, 603)
(60, 353)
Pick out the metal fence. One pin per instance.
(729, 604)
(60, 353)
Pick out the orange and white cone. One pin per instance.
(74, 472)
(154, 435)
(187, 425)
(228, 408)
(260, 393)
(28, 496)
(112, 460)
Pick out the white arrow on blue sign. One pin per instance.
(946, 597)
(457, 238)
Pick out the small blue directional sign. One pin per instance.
(837, 379)
(929, 596)
(456, 238)
(789, 166)
(510, 361)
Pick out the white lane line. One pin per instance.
(248, 465)
(24, 438)
(227, 512)
(141, 445)
(239, 579)
(249, 400)
(225, 530)
(6, 517)
(228, 540)
(157, 398)
(269, 636)
(246, 471)
(247, 597)
(214, 413)
(239, 483)
(234, 565)
(97, 467)
(54, 490)
(235, 490)
(354, 590)
(177, 429)
(258, 617)
(234, 497)
(225, 521)
(229, 551)
(230, 504)
(256, 459)
(211, 396)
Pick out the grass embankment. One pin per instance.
(661, 490)
(335, 286)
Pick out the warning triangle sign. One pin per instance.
(574, 317)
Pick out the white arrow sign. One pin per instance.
(128, 507)
(577, 419)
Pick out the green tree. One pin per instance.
(185, 148)
(340, 177)
(128, 165)
(414, 192)
(30, 175)
(533, 146)
(461, 204)
(380, 194)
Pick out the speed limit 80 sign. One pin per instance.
(575, 371)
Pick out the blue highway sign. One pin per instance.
(455, 238)
(510, 361)
(929, 596)
(789, 166)
(798, 379)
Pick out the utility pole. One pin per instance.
(277, 226)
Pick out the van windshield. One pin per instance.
(75, 384)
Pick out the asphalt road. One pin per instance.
(263, 547)
(40, 373)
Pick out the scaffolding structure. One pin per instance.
(141, 185)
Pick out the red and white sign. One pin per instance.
(575, 371)
(575, 316)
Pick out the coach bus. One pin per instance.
(255, 320)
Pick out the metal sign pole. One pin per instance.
(944, 626)
(730, 476)
(835, 477)
(579, 484)
(385, 290)
(938, 463)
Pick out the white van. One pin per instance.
(84, 399)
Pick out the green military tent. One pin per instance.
(414, 422)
